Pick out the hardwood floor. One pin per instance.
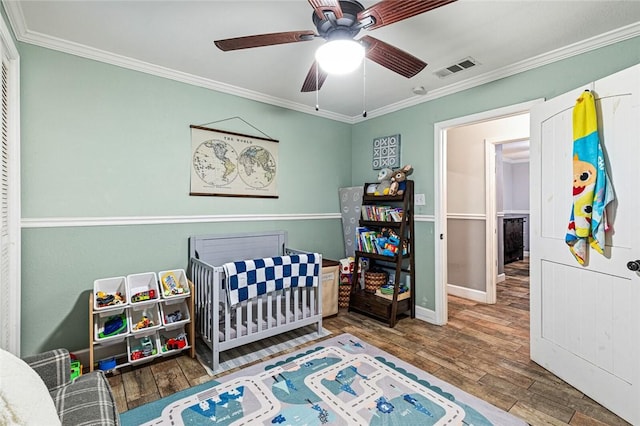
(484, 350)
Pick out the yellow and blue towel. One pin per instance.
(592, 190)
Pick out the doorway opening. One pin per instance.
(466, 216)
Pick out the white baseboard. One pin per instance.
(426, 315)
(467, 293)
(501, 277)
(526, 254)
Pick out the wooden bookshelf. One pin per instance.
(401, 263)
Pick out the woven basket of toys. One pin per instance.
(344, 291)
(374, 279)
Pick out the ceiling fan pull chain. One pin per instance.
(317, 89)
(364, 89)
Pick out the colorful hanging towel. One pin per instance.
(592, 190)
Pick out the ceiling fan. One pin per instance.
(343, 20)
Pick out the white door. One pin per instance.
(585, 320)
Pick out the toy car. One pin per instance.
(178, 342)
(76, 369)
(113, 326)
(147, 346)
(175, 344)
(174, 317)
(143, 295)
(143, 323)
(105, 299)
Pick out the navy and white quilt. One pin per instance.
(247, 279)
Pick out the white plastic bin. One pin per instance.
(142, 349)
(142, 288)
(173, 284)
(114, 289)
(143, 319)
(116, 325)
(172, 341)
(175, 313)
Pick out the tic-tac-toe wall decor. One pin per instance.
(386, 152)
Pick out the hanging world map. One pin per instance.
(216, 162)
(232, 165)
(257, 167)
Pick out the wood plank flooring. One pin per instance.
(484, 350)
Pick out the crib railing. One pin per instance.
(223, 327)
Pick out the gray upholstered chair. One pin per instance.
(87, 400)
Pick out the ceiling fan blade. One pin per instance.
(264, 40)
(391, 57)
(390, 11)
(320, 6)
(310, 84)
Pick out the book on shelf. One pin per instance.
(381, 213)
(385, 241)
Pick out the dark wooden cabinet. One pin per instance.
(513, 239)
(401, 264)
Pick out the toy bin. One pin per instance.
(173, 284)
(111, 327)
(142, 349)
(109, 294)
(172, 341)
(175, 313)
(142, 288)
(144, 320)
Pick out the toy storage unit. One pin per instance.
(148, 317)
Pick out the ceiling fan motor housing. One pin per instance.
(346, 28)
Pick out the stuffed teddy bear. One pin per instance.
(398, 179)
(384, 177)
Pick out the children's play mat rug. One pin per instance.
(339, 381)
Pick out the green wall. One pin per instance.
(416, 126)
(102, 141)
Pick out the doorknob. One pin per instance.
(633, 265)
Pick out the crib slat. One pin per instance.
(269, 311)
(296, 304)
(249, 312)
(312, 302)
(259, 318)
(238, 315)
(305, 302)
(279, 307)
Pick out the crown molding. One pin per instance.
(72, 222)
(23, 34)
(584, 46)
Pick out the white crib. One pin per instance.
(223, 327)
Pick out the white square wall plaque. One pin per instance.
(386, 152)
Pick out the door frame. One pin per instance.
(491, 229)
(440, 195)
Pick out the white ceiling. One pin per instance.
(174, 39)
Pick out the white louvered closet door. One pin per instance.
(10, 197)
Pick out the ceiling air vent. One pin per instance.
(462, 65)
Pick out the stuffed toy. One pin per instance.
(384, 179)
(398, 180)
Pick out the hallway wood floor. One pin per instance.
(484, 350)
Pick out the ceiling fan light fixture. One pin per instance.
(340, 56)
